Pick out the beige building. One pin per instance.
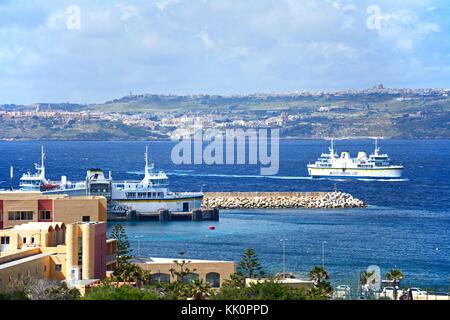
(17, 208)
(214, 272)
(78, 252)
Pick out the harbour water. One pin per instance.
(406, 226)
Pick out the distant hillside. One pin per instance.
(392, 113)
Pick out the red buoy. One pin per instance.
(212, 228)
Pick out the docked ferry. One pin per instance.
(146, 196)
(375, 166)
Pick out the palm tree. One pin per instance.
(200, 290)
(396, 276)
(318, 275)
(365, 277)
(131, 273)
(322, 289)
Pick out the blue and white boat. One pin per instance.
(146, 196)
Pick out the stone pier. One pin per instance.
(281, 200)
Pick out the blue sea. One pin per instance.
(406, 226)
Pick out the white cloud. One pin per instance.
(205, 38)
(128, 12)
(216, 46)
(164, 4)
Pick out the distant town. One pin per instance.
(378, 111)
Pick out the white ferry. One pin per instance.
(145, 196)
(37, 181)
(375, 166)
(152, 193)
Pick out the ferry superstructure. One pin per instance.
(152, 193)
(37, 182)
(375, 166)
(146, 196)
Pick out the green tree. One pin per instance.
(123, 245)
(182, 271)
(109, 292)
(395, 275)
(265, 290)
(322, 288)
(200, 290)
(128, 272)
(364, 277)
(319, 274)
(30, 288)
(249, 266)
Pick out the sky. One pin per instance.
(91, 51)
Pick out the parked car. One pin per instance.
(389, 292)
(342, 292)
(417, 292)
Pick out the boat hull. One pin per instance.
(182, 204)
(348, 173)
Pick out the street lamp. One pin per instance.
(138, 245)
(283, 241)
(323, 254)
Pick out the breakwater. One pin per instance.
(281, 200)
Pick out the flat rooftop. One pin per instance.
(36, 195)
(23, 260)
(153, 260)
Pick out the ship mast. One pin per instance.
(147, 169)
(41, 168)
(376, 147)
(331, 148)
(146, 161)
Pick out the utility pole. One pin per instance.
(11, 177)
(283, 241)
(323, 254)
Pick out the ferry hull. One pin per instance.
(388, 173)
(153, 205)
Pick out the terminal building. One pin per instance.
(64, 238)
(77, 253)
(21, 207)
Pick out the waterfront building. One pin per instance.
(17, 208)
(77, 253)
(214, 272)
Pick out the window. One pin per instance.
(45, 268)
(58, 267)
(214, 279)
(189, 278)
(20, 215)
(24, 240)
(45, 215)
(160, 277)
(4, 240)
(32, 240)
(86, 218)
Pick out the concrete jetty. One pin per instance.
(281, 200)
(164, 215)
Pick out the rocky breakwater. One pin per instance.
(283, 200)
